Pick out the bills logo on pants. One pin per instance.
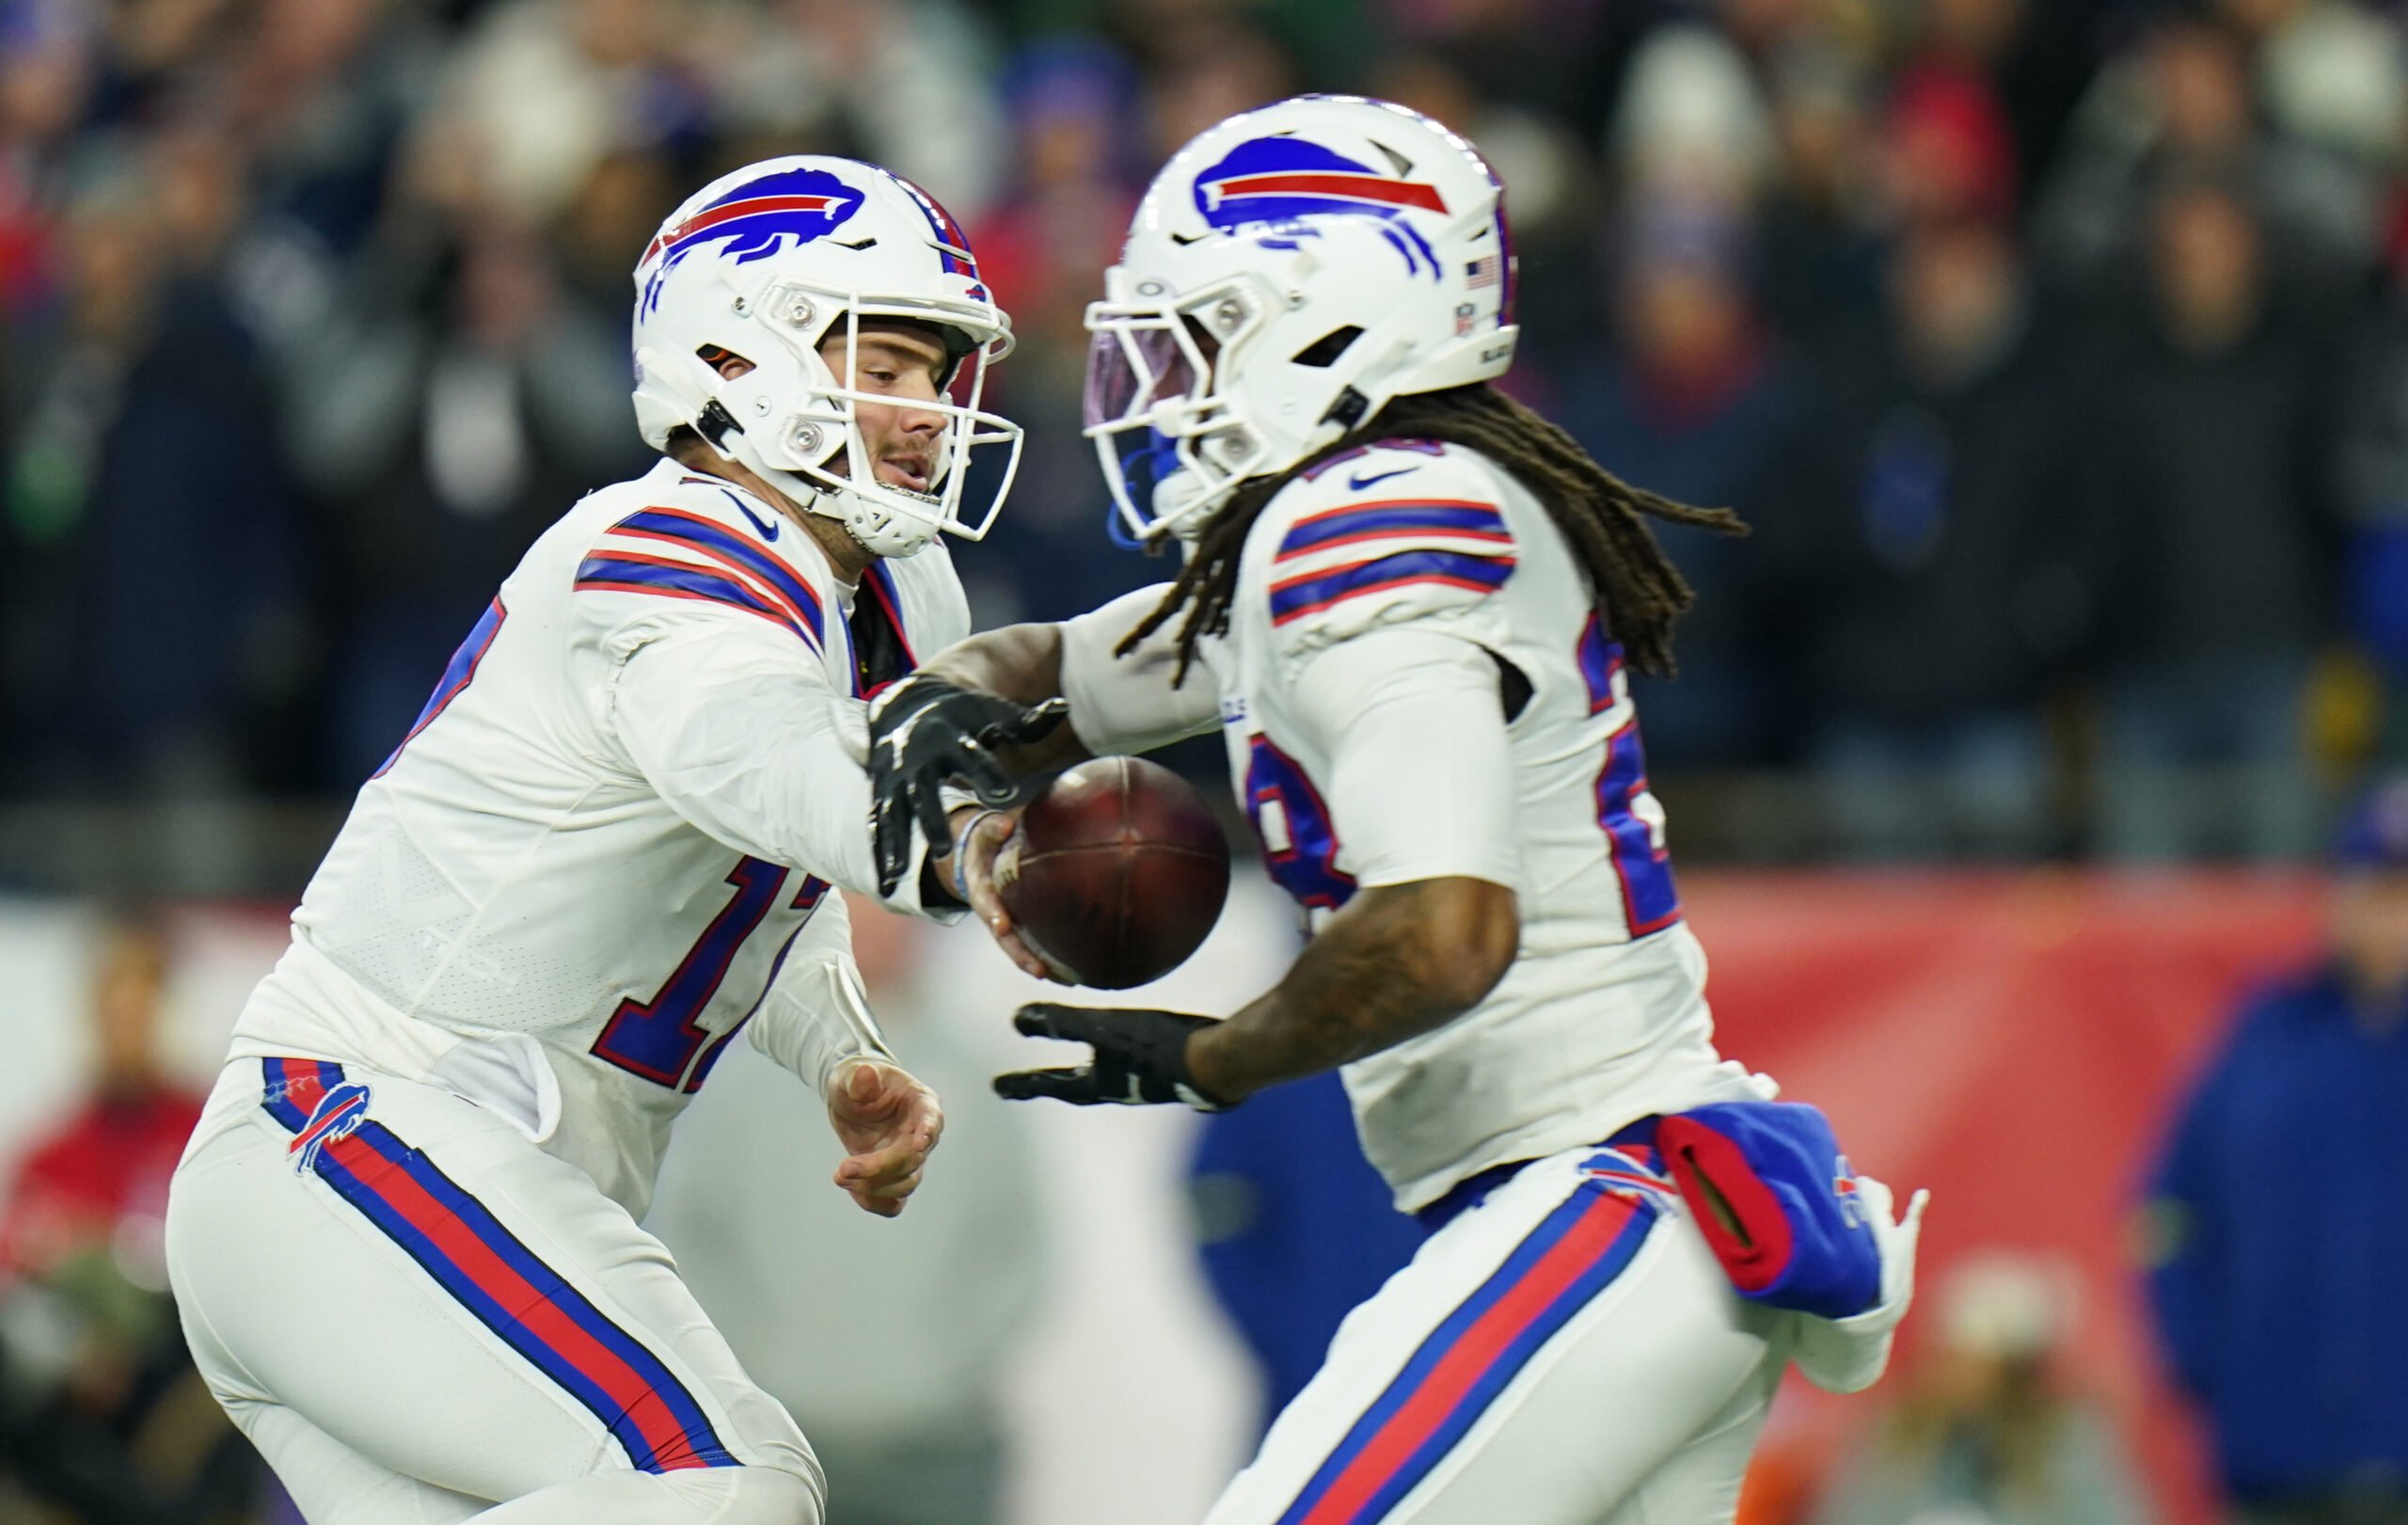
(337, 1115)
(479, 1261)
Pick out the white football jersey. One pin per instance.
(1373, 592)
(608, 840)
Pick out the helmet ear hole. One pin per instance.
(1323, 352)
(729, 364)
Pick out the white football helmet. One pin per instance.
(765, 263)
(1289, 272)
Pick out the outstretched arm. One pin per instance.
(1420, 790)
(726, 720)
(1399, 962)
(1119, 703)
(1022, 663)
(985, 712)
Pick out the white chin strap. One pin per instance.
(881, 531)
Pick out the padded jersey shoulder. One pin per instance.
(1399, 533)
(684, 539)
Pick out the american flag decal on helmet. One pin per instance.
(1484, 272)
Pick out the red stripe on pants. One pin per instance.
(521, 1299)
(1452, 1381)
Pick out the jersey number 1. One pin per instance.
(659, 1038)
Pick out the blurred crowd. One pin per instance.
(103, 1419)
(2056, 349)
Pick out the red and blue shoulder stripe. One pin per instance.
(741, 575)
(1363, 549)
(1453, 517)
(1299, 596)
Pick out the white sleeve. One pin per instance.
(743, 736)
(816, 1014)
(1126, 704)
(1420, 777)
(1849, 1355)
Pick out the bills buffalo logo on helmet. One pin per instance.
(758, 218)
(1278, 180)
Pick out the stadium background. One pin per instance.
(2057, 350)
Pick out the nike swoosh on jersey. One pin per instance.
(1358, 481)
(769, 531)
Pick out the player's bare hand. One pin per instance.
(989, 856)
(888, 1124)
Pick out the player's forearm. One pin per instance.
(1399, 962)
(816, 1015)
(756, 755)
(774, 782)
(1022, 663)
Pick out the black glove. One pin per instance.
(925, 733)
(1140, 1057)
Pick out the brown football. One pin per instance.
(1120, 873)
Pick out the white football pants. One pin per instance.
(414, 1314)
(1567, 1353)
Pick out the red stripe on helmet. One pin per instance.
(701, 221)
(1353, 188)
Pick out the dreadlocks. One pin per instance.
(1639, 591)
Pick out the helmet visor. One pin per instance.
(1170, 443)
(1135, 363)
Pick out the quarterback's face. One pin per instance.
(906, 363)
